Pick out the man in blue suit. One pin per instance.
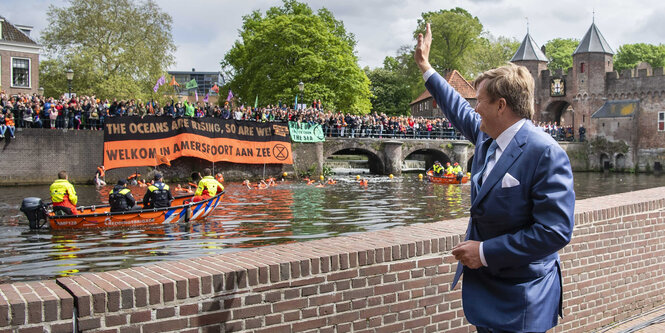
(522, 201)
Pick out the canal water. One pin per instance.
(291, 211)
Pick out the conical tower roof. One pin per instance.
(593, 42)
(528, 50)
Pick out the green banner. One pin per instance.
(304, 132)
(191, 84)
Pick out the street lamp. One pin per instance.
(41, 91)
(70, 77)
(301, 87)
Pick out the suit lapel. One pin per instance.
(509, 156)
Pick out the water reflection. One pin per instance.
(289, 212)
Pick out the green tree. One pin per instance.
(630, 55)
(391, 94)
(291, 44)
(407, 70)
(455, 33)
(116, 48)
(559, 51)
(490, 52)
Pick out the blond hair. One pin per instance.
(512, 83)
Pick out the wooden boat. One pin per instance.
(100, 216)
(445, 179)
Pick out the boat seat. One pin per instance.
(60, 211)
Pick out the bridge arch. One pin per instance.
(375, 163)
(429, 155)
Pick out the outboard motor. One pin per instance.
(35, 210)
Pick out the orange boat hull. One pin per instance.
(101, 217)
(445, 179)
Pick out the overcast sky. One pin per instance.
(204, 30)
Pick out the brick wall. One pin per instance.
(383, 281)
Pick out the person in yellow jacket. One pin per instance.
(457, 171)
(208, 186)
(449, 169)
(63, 195)
(437, 168)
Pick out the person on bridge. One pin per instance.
(63, 195)
(208, 186)
(121, 198)
(158, 194)
(522, 201)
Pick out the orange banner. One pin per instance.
(132, 141)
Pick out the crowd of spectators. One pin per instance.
(88, 112)
(561, 132)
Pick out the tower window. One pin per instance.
(582, 68)
(661, 121)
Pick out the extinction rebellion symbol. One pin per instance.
(280, 152)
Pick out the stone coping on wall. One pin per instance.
(90, 296)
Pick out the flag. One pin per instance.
(174, 82)
(256, 101)
(230, 96)
(196, 93)
(160, 81)
(205, 99)
(215, 88)
(191, 84)
(161, 159)
(296, 102)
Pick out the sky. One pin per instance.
(204, 30)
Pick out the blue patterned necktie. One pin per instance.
(477, 178)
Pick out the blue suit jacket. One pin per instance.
(521, 227)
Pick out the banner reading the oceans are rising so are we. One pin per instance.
(149, 141)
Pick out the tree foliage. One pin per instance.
(490, 52)
(559, 51)
(291, 44)
(390, 93)
(630, 55)
(455, 33)
(116, 48)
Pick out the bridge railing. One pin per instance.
(346, 132)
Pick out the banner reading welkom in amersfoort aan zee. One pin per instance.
(135, 141)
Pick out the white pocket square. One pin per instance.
(509, 181)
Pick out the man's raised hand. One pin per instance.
(422, 49)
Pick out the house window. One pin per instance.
(582, 68)
(661, 121)
(21, 72)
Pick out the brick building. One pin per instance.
(19, 59)
(425, 105)
(627, 109)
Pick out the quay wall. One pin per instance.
(395, 280)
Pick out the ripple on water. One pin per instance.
(289, 212)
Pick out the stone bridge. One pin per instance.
(385, 156)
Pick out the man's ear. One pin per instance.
(502, 105)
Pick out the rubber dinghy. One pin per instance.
(445, 179)
(100, 216)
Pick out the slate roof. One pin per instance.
(617, 109)
(13, 34)
(529, 50)
(593, 42)
(457, 81)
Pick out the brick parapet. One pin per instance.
(388, 280)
